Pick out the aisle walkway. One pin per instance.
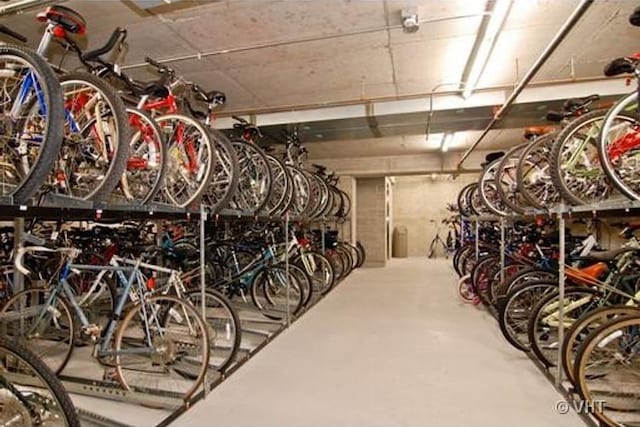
(389, 347)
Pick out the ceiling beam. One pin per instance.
(414, 164)
(443, 101)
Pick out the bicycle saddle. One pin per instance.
(573, 104)
(108, 46)
(67, 18)
(319, 168)
(624, 65)
(634, 18)
(155, 88)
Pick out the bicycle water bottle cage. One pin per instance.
(62, 16)
(624, 65)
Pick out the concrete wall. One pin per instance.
(371, 219)
(348, 228)
(419, 203)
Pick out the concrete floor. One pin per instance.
(389, 347)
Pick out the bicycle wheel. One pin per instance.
(275, 293)
(319, 269)
(363, 254)
(301, 191)
(304, 281)
(516, 309)
(32, 122)
(224, 182)
(507, 180)
(337, 264)
(45, 403)
(488, 190)
(47, 326)
(577, 333)
(606, 371)
(93, 155)
(255, 181)
(191, 159)
(315, 196)
(576, 170)
(225, 332)
(534, 176)
(146, 160)
(619, 146)
(463, 206)
(162, 345)
(544, 320)
(279, 201)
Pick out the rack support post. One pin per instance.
(561, 286)
(286, 266)
(502, 247)
(18, 232)
(203, 280)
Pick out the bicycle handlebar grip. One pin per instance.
(115, 36)
(11, 33)
(17, 262)
(33, 240)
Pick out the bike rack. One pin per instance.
(55, 207)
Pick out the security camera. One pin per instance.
(410, 22)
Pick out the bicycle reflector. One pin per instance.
(151, 283)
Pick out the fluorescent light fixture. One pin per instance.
(496, 21)
(433, 176)
(434, 140)
(446, 142)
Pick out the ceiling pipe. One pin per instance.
(555, 42)
(201, 55)
(23, 5)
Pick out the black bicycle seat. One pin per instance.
(634, 18)
(108, 46)
(574, 104)
(155, 88)
(619, 66)
(67, 18)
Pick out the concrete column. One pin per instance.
(371, 219)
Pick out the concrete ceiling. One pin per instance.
(382, 62)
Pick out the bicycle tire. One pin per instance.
(226, 165)
(510, 196)
(540, 149)
(174, 159)
(534, 321)
(53, 129)
(572, 340)
(119, 150)
(48, 377)
(163, 305)
(251, 158)
(161, 159)
(57, 365)
(557, 170)
(615, 112)
(195, 297)
(594, 342)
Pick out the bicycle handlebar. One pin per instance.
(27, 249)
(13, 34)
(118, 36)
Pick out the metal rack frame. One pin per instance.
(609, 209)
(55, 208)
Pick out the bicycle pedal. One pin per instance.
(90, 331)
